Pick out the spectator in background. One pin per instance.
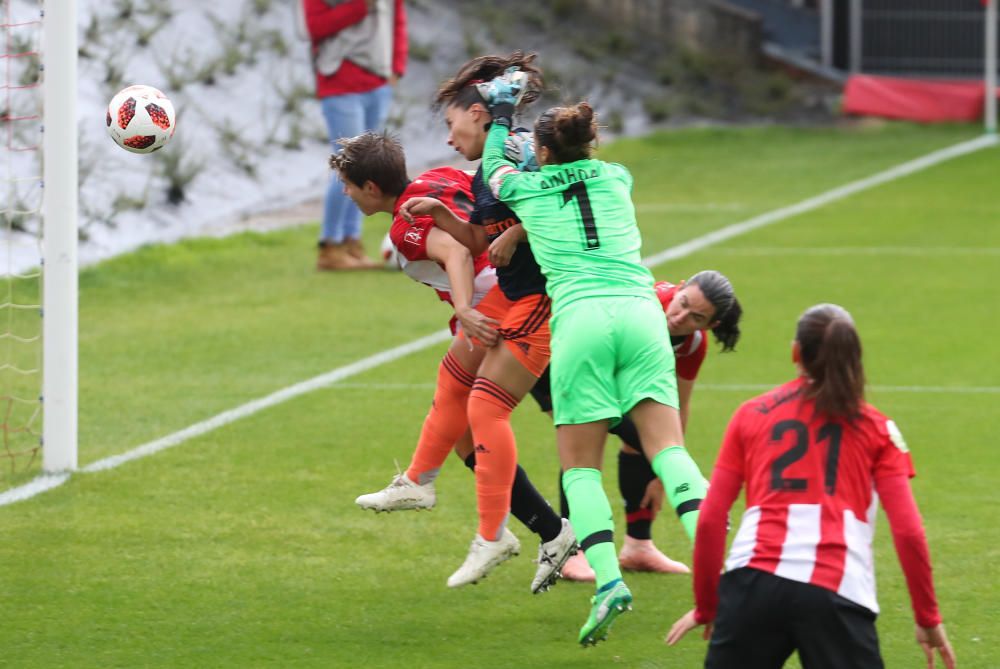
(359, 50)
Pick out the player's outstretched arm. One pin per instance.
(685, 387)
(457, 261)
(496, 165)
(472, 236)
(914, 556)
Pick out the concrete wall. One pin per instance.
(700, 24)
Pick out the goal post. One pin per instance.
(943, 40)
(990, 67)
(59, 237)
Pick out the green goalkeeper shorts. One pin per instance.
(608, 354)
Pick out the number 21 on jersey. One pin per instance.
(831, 433)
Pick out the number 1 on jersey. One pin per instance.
(578, 190)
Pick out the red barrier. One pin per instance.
(913, 99)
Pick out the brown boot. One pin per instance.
(357, 251)
(334, 257)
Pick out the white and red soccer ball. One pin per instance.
(141, 119)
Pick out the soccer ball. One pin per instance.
(390, 255)
(141, 119)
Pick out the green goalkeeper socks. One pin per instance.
(590, 516)
(683, 482)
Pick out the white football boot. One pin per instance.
(399, 495)
(483, 557)
(552, 555)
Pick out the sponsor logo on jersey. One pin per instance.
(413, 237)
(495, 228)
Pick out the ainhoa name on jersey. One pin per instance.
(568, 176)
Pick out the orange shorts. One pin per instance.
(524, 326)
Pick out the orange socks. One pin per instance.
(490, 407)
(446, 421)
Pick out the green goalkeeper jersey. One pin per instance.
(580, 223)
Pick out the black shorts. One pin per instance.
(763, 619)
(542, 391)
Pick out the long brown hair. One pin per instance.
(567, 132)
(459, 90)
(831, 356)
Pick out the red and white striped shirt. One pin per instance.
(810, 501)
(453, 187)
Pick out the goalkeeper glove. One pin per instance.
(508, 88)
(520, 150)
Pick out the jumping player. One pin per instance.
(373, 169)
(704, 302)
(816, 460)
(519, 302)
(610, 345)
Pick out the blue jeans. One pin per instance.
(346, 116)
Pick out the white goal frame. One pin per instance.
(826, 9)
(990, 68)
(59, 237)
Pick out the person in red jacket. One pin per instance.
(816, 460)
(359, 50)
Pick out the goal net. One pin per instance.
(38, 236)
(20, 303)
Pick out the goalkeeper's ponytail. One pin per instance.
(567, 132)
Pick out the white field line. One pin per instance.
(38, 485)
(725, 387)
(930, 390)
(283, 395)
(43, 483)
(905, 251)
(823, 199)
(661, 207)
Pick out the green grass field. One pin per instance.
(243, 547)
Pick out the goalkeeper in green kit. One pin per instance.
(611, 353)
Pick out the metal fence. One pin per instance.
(926, 38)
